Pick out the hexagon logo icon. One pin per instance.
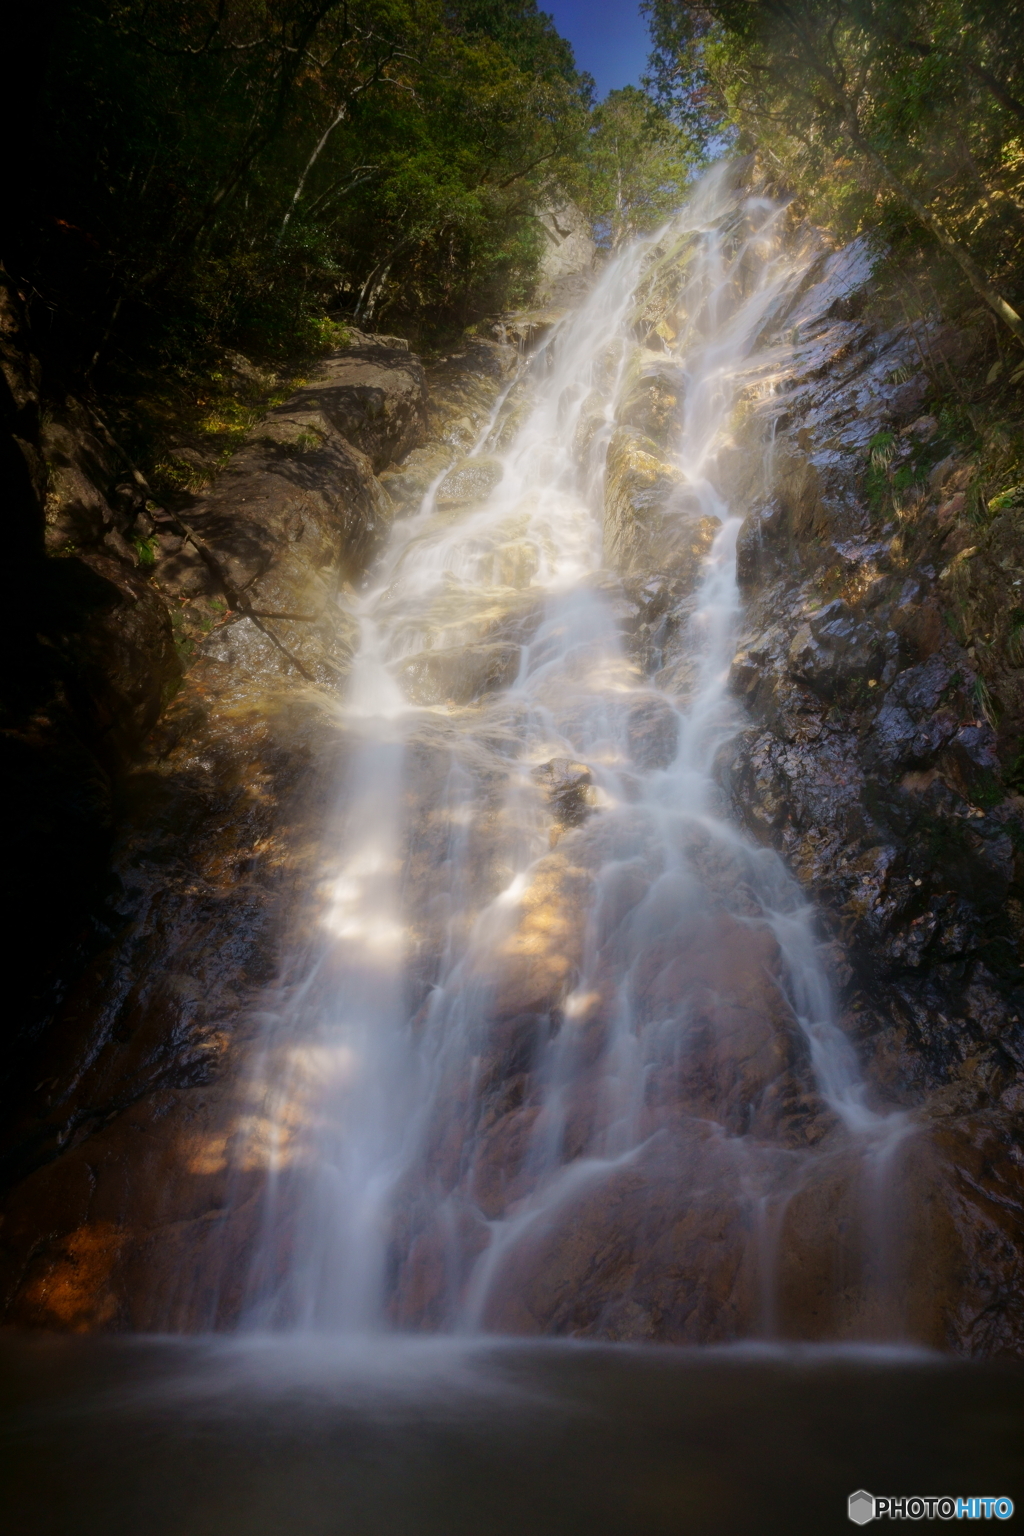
(861, 1507)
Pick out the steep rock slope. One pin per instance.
(864, 752)
(869, 753)
(111, 1180)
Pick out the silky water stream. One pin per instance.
(555, 1052)
(552, 1053)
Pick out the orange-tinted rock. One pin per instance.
(127, 1202)
(711, 1194)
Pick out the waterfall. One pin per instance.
(554, 1047)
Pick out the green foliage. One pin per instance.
(1006, 500)
(185, 422)
(639, 164)
(146, 550)
(306, 442)
(904, 117)
(881, 450)
(898, 468)
(228, 172)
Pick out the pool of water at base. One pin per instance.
(322, 1436)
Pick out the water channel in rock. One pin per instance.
(553, 1049)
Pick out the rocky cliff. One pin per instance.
(879, 674)
(177, 744)
(881, 624)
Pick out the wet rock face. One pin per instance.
(462, 390)
(864, 755)
(867, 759)
(833, 653)
(651, 522)
(653, 398)
(653, 733)
(870, 758)
(658, 1249)
(115, 1154)
(460, 675)
(112, 594)
(870, 761)
(297, 511)
(569, 788)
(469, 480)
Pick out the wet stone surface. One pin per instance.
(609, 985)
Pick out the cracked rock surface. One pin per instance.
(222, 792)
(867, 752)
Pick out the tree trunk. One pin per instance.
(339, 117)
(256, 141)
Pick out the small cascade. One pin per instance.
(554, 1046)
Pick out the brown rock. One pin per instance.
(373, 393)
(569, 788)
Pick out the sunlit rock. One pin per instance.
(569, 246)
(832, 651)
(373, 393)
(607, 956)
(470, 480)
(653, 398)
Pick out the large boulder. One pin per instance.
(373, 393)
(569, 247)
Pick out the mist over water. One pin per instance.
(477, 1039)
(274, 1435)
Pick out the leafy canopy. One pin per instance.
(879, 112)
(224, 170)
(639, 165)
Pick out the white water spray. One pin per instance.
(385, 1187)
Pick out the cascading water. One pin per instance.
(560, 1054)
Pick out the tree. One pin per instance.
(219, 171)
(639, 165)
(869, 103)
